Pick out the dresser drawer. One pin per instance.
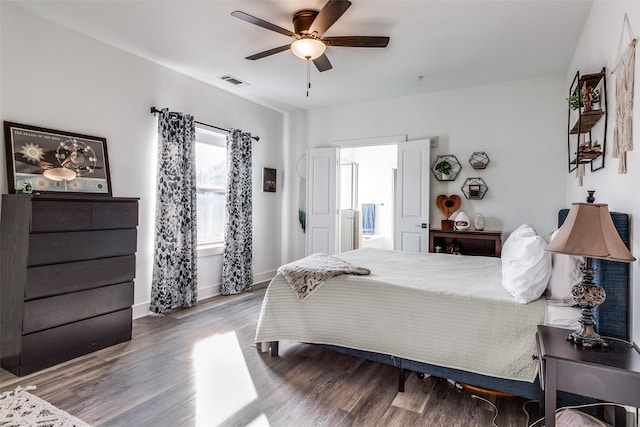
(51, 248)
(53, 215)
(70, 215)
(52, 346)
(105, 216)
(55, 279)
(50, 312)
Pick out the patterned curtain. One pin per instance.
(237, 259)
(175, 274)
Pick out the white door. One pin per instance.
(322, 197)
(412, 196)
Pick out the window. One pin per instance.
(211, 185)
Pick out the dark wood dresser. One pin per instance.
(67, 271)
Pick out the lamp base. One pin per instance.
(588, 295)
(587, 337)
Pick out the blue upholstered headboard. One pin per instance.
(613, 316)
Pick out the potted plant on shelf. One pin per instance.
(575, 100)
(444, 168)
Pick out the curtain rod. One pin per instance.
(154, 110)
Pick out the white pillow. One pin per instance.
(565, 273)
(526, 266)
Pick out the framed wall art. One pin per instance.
(48, 160)
(268, 180)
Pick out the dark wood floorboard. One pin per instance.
(199, 367)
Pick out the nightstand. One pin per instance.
(609, 373)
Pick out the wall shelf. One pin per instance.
(479, 160)
(474, 188)
(456, 167)
(588, 120)
(587, 124)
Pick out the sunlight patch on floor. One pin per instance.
(261, 421)
(223, 381)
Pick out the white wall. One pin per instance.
(294, 157)
(520, 124)
(597, 48)
(56, 78)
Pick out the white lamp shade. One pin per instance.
(308, 48)
(59, 174)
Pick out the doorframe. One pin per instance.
(351, 143)
(367, 142)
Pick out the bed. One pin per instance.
(395, 316)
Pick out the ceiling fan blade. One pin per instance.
(262, 23)
(356, 41)
(329, 14)
(268, 52)
(322, 63)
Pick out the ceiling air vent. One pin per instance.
(233, 80)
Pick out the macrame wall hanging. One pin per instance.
(624, 70)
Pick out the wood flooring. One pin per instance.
(199, 367)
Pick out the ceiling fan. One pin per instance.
(309, 26)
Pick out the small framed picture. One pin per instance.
(268, 180)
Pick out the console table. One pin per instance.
(609, 373)
(484, 243)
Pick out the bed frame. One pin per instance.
(613, 319)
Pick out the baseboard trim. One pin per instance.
(205, 292)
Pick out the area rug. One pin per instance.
(19, 408)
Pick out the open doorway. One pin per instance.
(408, 211)
(367, 197)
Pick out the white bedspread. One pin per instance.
(445, 310)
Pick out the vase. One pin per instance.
(462, 221)
(478, 222)
(446, 224)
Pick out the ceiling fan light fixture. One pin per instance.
(308, 48)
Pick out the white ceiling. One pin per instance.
(453, 44)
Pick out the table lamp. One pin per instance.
(589, 231)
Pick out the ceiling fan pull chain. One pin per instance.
(308, 75)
